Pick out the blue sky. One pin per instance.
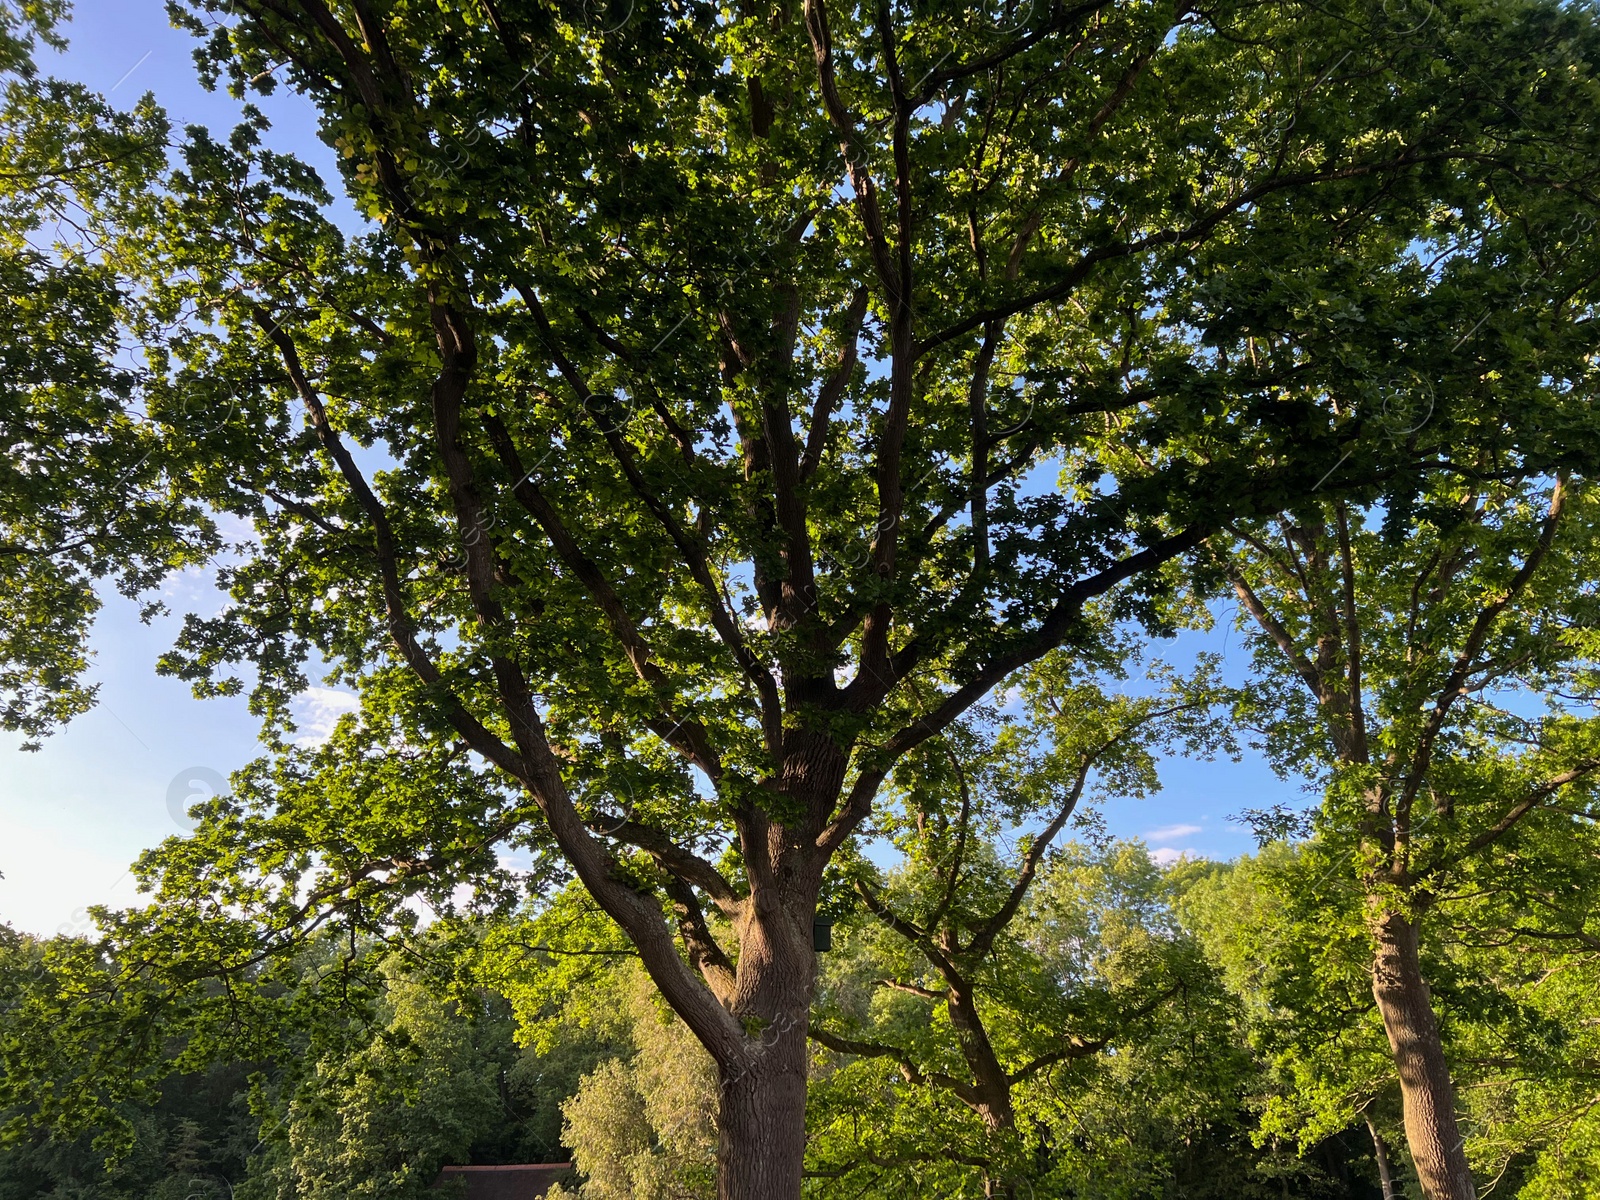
(76, 813)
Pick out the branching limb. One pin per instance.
(686, 735)
(894, 273)
(1051, 632)
(983, 937)
(532, 763)
(704, 950)
(1068, 280)
(1535, 798)
(693, 551)
(682, 864)
(1078, 1047)
(833, 387)
(1281, 637)
(402, 629)
(1454, 684)
(915, 989)
(914, 1075)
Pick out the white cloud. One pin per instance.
(1171, 833)
(1166, 856)
(317, 710)
(1009, 697)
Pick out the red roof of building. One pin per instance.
(518, 1181)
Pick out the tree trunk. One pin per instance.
(761, 1119)
(1380, 1150)
(1427, 1096)
(761, 1123)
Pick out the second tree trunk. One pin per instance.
(1438, 1150)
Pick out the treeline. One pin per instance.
(370, 1099)
(424, 1071)
(1196, 1030)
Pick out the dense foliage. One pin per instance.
(392, 1081)
(423, 1073)
(733, 456)
(81, 495)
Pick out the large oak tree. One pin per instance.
(731, 399)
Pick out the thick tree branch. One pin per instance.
(984, 935)
(402, 629)
(914, 989)
(852, 149)
(638, 916)
(683, 864)
(936, 80)
(534, 764)
(1050, 634)
(894, 273)
(1281, 637)
(704, 951)
(1077, 1047)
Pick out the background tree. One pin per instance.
(1145, 1090)
(1299, 965)
(1171, 1109)
(642, 1127)
(677, 457)
(996, 1006)
(1509, 980)
(370, 1099)
(382, 1120)
(184, 1138)
(1523, 922)
(1401, 651)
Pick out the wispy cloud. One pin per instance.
(1166, 856)
(317, 710)
(1171, 833)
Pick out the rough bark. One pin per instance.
(1426, 1093)
(761, 1118)
(761, 1123)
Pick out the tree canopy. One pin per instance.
(706, 409)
